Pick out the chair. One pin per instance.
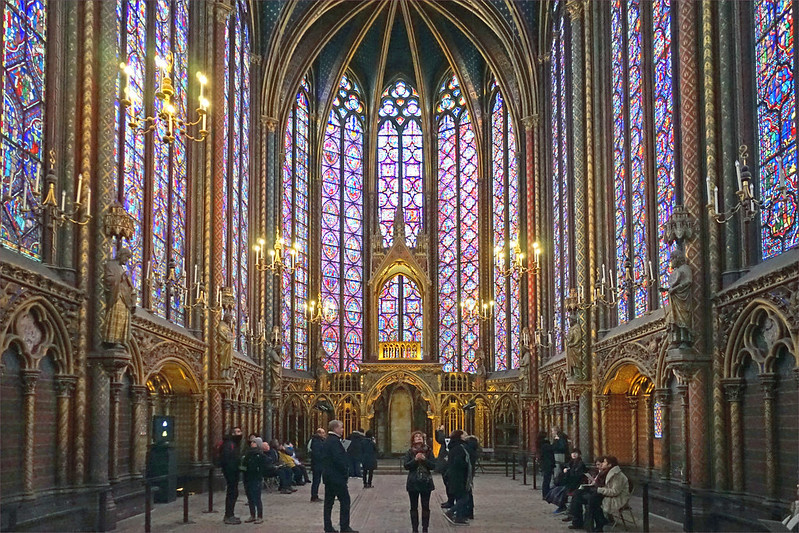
(626, 509)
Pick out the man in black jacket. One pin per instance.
(459, 472)
(335, 472)
(441, 464)
(230, 460)
(315, 448)
(354, 451)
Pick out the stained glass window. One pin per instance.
(637, 194)
(295, 231)
(776, 124)
(657, 415)
(22, 79)
(400, 311)
(236, 159)
(399, 161)
(342, 230)
(505, 233)
(561, 178)
(458, 244)
(154, 251)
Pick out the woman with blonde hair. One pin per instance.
(419, 462)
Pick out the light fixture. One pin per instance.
(279, 259)
(516, 257)
(473, 311)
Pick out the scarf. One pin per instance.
(419, 448)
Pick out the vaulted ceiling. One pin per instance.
(380, 40)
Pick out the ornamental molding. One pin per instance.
(151, 332)
(781, 279)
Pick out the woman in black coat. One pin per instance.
(546, 460)
(420, 463)
(368, 458)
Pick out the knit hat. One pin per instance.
(259, 442)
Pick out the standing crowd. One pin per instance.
(590, 498)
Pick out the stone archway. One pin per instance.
(400, 409)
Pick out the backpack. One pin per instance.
(218, 453)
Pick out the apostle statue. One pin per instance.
(480, 372)
(120, 299)
(275, 368)
(524, 371)
(574, 344)
(224, 343)
(678, 310)
(319, 370)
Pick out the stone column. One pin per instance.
(29, 378)
(632, 400)
(168, 400)
(65, 387)
(663, 397)
(227, 418)
(197, 400)
(698, 432)
(682, 390)
(100, 430)
(113, 441)
(649, 429)
(604, 403)
(574, 410)
(138, 431)
(733, 393)
(150, 414)
(769, 384)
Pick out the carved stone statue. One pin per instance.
(275, 368)
(480, 371)
(524, 371)
(224, 343)
(678, 311)
(574, 344)
(319, 370)
(421, 244)
(120, 298)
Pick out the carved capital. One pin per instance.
(603, 400)
(138, 394)
(632, 401)
(255, 59)
(769, 384)
(65, 385)
(575, 8)
(733, 389)
(197, 399)
(29, 378)
(662, 396)
(116, 389)
(221, 10)
(269, 122)
(532, 121)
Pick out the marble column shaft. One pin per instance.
(733, 394)
(65, 387)
(29, 378)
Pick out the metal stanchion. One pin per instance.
(210, 491)
(185, 505)
(513, 466)
(148, 507)
(524, 470)
(688, 520)
(535, 474)
(645, 505)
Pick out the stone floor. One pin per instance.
(501, 505)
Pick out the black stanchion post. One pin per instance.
(513, 466)
(506, 465)
(210, 491)
(524, 470)
(185, 504)
(147, 506)
(645, 506)
(535, 474)
(688, 520)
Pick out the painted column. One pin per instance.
(65, 387)
(632, 400)
(196, 455)
(769, 384)
(113, 441)
(733, 393)
(138, 431)
(29, 378)
(698, 430)
(604, 402)
(648, 428)
(663, 397)
(530, 130)
(682, 391)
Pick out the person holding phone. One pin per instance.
(419, 462)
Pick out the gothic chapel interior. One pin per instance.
(270, 214)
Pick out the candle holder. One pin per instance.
(281, 260)
(168, 113)
(477, 312)
(255, 335)
(516, 257)
(322, 313)
(607, 293)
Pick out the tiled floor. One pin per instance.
(501, 506)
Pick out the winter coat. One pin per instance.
(356, 439)
(441, 462)
(230, 457)
(459, 467)
(561, 445)
(254, 464)
(547, 457)
(616, 491)
(335, 463)
(316, 451)
(420, 477)
(575, 475)
(368, 453)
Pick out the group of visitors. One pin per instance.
(362, 451)
(596, 493)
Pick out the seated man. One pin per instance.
(596, 478)
(275, 468)
(299, 474)
(610, 498)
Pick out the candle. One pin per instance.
(80, 186)
(709, 189)
(63, 201)
(716, 198)
(738, 173)
(197, 294)
(149, 271)
(603, 273)
(651, 275)
(89, 203)
(549, 339)
(219, 295)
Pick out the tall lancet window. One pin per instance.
(342, 230)
(640, 195)
(776, 124)
(236, 158)
(504, 233)
(156, 198)
(295, 230)
(562, 204)
(22, 123)
(399, 160)
(458, 243)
